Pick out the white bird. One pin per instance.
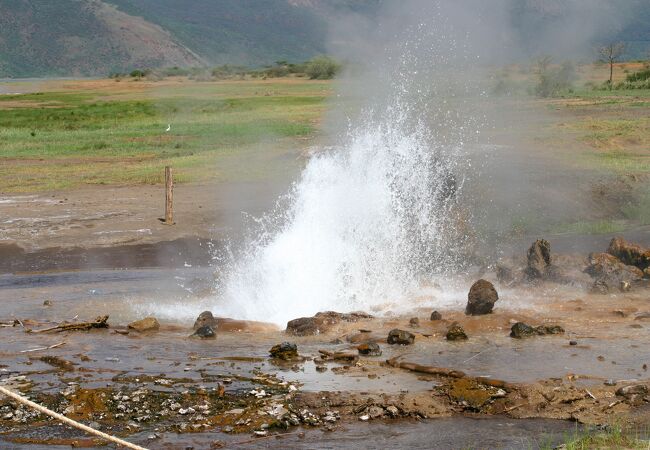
(169, 127)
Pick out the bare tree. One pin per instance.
(610, 54)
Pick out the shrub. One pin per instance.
(138, 73)
(641, 75)
(553, 81)
(322, 68)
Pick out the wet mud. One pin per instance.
(164, 389)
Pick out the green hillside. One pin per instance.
(96, 37)
(237, 31)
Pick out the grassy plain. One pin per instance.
(64, 134)
(88, 132)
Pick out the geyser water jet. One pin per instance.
(367, 223)
(372, 219)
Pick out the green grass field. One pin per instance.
(91, 133)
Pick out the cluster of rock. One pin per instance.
(521, 330)
(618, 269)
(322, 322)
(622, 266)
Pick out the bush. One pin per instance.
(138, 73)
(322, 68)
(555, 81)
(641, 75)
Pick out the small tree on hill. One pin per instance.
(610, 54)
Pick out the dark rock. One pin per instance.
(58, 362)
(321, 368)
(414, 322)
(205, 319)
(286, 351)
(369, 349)
(634, 389)
(321, 322)
(456, 333)
(436, 316)
(481, 298)
(47, 303)
(609, 271)
(573, 342)
(303, 326)
(521, 330)
(539, 259)
(205, 332)
(628, 253)
(400, 337)
(549, 329)
(146, 324)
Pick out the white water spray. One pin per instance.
(373, 219)
(367, 222)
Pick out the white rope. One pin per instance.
(19, 398)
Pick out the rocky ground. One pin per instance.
(573, 350)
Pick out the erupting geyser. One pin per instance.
(369, 220)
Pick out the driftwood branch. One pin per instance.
(431, 370)
(450, 373)
(100, 322)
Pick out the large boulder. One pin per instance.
(205, 319)
(628, 253)
(539, 259)
(321, 322)
(609, 272)
(481, 298)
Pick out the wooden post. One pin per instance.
(169, 196)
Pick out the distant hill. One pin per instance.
(81, 37)
(97, 37)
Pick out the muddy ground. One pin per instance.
(165, 389)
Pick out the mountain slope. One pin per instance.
(237, 31)
(81, 37)
(96, 37)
